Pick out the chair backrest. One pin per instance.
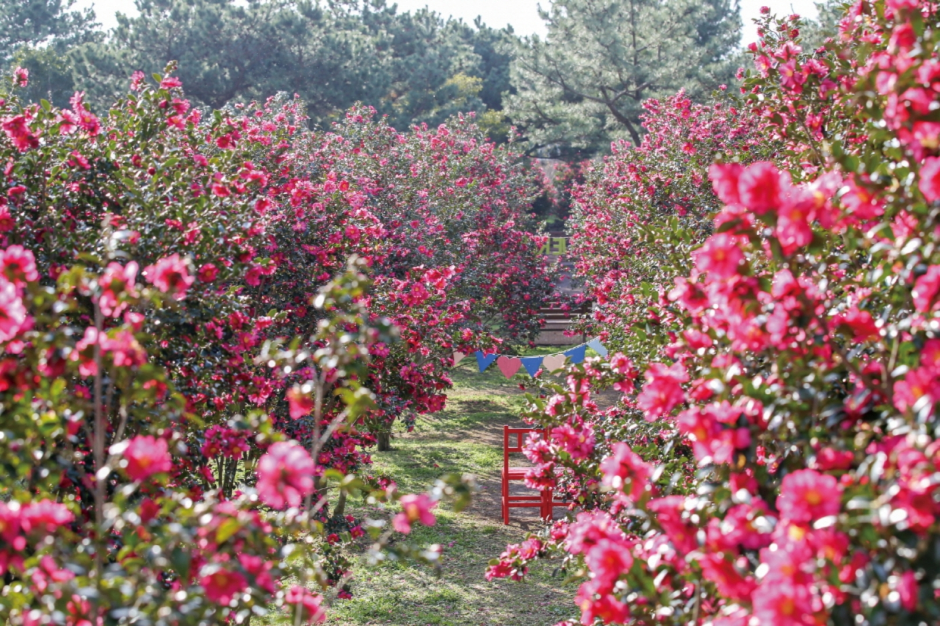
(518, 434)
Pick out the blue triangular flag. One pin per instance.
(577, 354)
(532, 364)
(598, 347)
(484, 361)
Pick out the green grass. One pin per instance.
(466, 438)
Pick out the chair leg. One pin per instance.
(546, 504)
(505, 499)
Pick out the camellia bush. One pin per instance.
(793, 478)
(625, 215)
(452, 247)
(169, 432)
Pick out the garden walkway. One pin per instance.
(466, 437)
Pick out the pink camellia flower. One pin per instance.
(625, 470)
(125, 350)
(720, 256)
(607, 560)
(170, 275)
(578, 442)
(308, 603)
(137, 79)
(861, 203)
(663, 390)
(146, 456)
(415, 508)
(530, 548)
(926, 288)
(285, 475)
(208, 273)
(806, 496)
(116, 281)
(917, 383)
(18, 265)
(21, 77)
(793, 224)
(741, 527)
(300, 403)
(929, 183)
(783, 604)
(761, 187)
(171, 82)
(222, 585)
(831, 459)
(729, 581)
(907, 589)
(68, 122)
(12, 312)
(710, 441)
(18, 131)
(606, 607)
(669, 515)
(45, 516)
(724, 179)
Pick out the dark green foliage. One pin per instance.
(415, 67)
(582, 86)
(36, 35)
(48, 22)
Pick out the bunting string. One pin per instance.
(509, 364)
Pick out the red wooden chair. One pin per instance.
(544, 500)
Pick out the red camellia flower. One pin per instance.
(170, 275)
(285, 475)
(222, 585)
(807, 495)
(146, 456)
(415, 508)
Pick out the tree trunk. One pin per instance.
(384, 441)
(340, 508)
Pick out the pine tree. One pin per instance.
(46, 23)
(583, 84)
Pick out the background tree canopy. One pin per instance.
(568, 94)
(582, 86)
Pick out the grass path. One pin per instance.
(466, 437)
